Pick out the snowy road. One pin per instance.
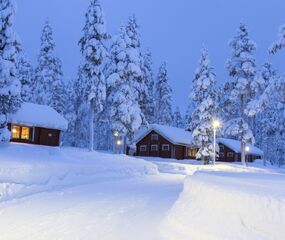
(114, 210)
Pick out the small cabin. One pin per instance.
(36, 124)
(165, 142)
(230, 151)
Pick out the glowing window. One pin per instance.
(25, 133)
(16, 132)
(19, 132)
(192, 152)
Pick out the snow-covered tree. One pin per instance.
(48, 74)
(125, 112)
(25, 73)
(178, 119)
(163, 97)
(94, 52)
(10, 86)
(204, 100)
(241, 68)
(147, 100)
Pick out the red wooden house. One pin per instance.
(170, 142)
(36, 124)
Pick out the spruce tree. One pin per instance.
(177, 119)
(125, 112)
(94, 52)
(163, 98)
(241, 68)
(204, 100)
(48, 74)
(10, 86)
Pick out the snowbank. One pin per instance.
(229, 206)
(26, 169)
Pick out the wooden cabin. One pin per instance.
(165, 142)
(36, 124)
(230, 151)
(170, 142)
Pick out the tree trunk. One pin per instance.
(91, 133)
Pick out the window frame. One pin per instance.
(222, 148)
(154, 137)
(143, 146)
(230, 153)
(20, 134)
(165, 145)
(154, 145)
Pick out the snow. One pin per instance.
(68, 193)
(236, 146)
(28, 169)
(220, 206)
(35, 115)
(172, 134)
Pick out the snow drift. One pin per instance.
(229, 206)
(27, 169)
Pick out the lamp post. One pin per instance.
(247, 149)
(216, 125)
(116, 135)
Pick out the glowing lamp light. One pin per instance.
(116, 134)
(14, 130)
(216, 123)
(119, 142)
(247, 149)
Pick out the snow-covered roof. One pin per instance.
(174, 135)
(35, 115)
(235, 145)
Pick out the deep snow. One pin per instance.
(71, 194)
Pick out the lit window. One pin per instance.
(25, 133)
(192, 152)
(154, 137)
(16, 131)
(143, 148)
(19, 132)
(154, 148)
(165, 147)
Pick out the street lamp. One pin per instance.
(216, 124)
(247, 149)
(119, 143)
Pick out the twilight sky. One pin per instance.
(174, 31)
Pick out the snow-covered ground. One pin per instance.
(51, 193)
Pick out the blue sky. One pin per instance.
(174, 31)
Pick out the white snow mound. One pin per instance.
(228, 206)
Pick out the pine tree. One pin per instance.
(94, 53)
(125, 113)
(241, 68)
(25, 73)
(163, 98)
(48, 74)
(147, 101)
(204, 100)
(10, 86)
(177, 119)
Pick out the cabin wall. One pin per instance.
(41, 136)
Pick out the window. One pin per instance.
(23, 133)
(230, 154)
(192, 152)
(222, 148)
(165, 147)
(221, 155)
(154, 137)
(154, 148)
(143, 148)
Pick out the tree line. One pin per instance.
(115, 89)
